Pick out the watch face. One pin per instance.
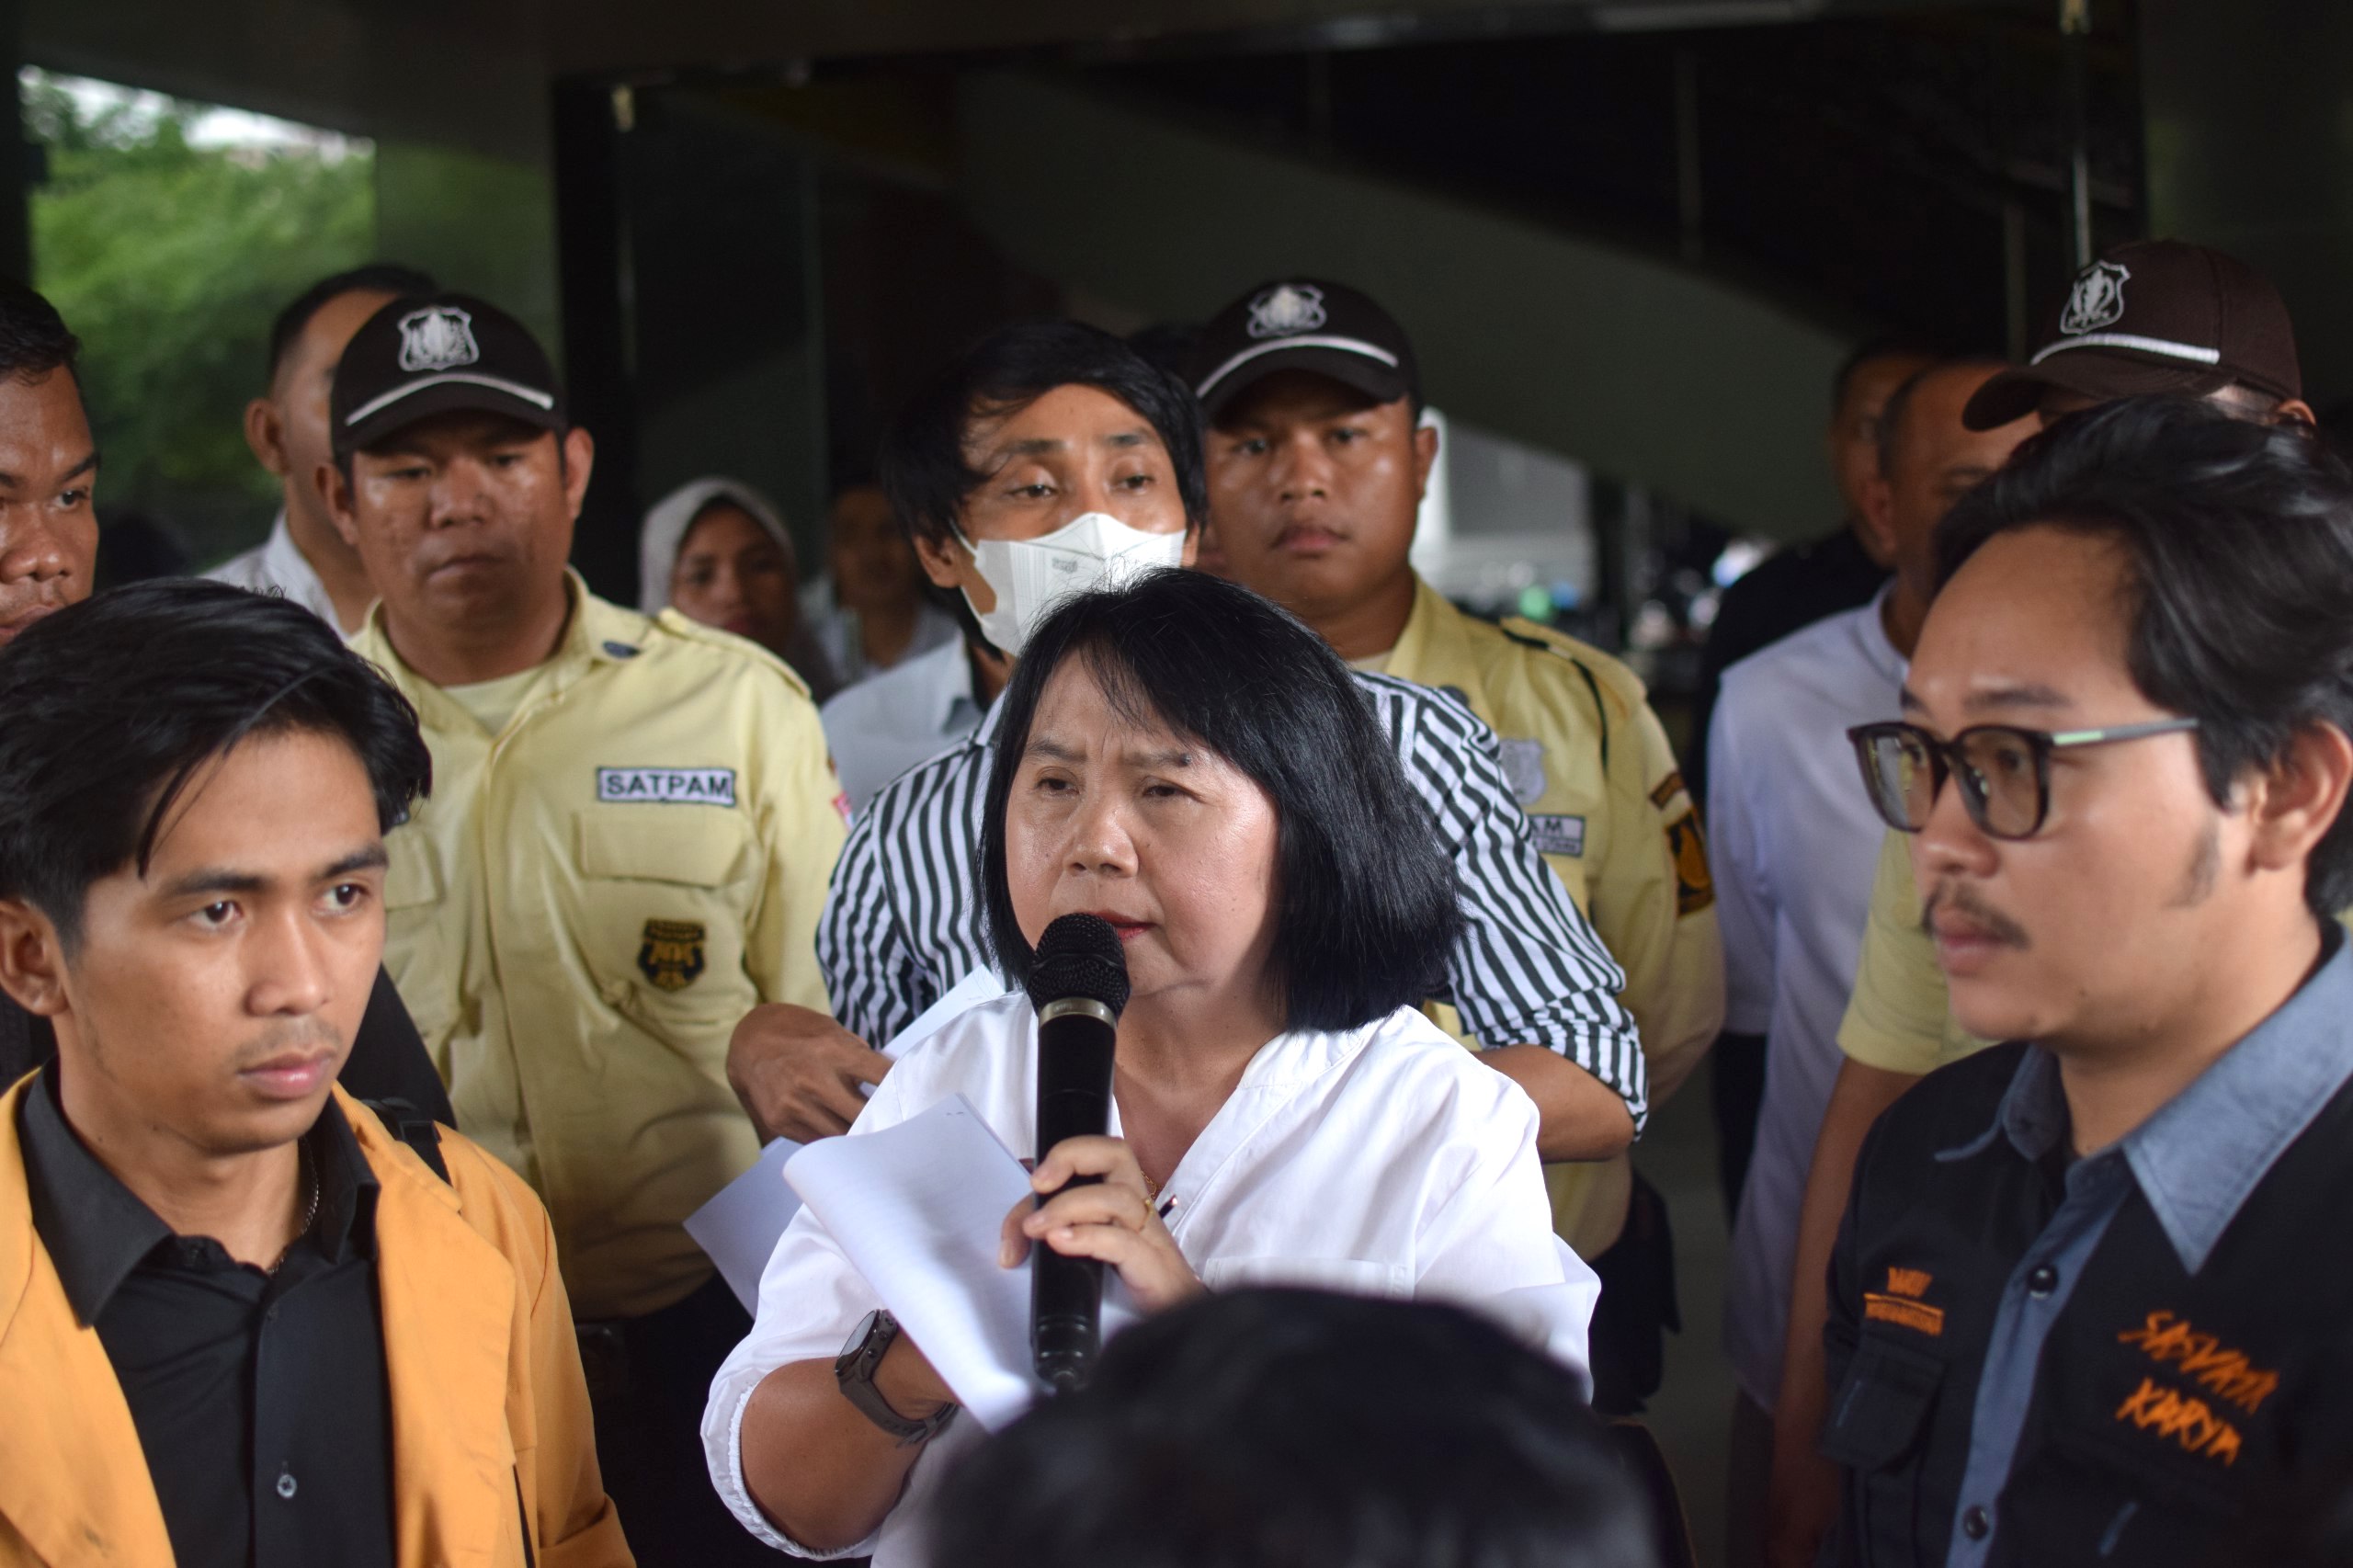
(858, 1335)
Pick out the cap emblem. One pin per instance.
(2096, 300)
(437, 337)
(1286, 309)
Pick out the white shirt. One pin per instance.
(910, 713)
(1385, 1161)
(1792, 840)
(838, 633)
(277, 565)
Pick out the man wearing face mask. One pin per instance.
(1052, 458)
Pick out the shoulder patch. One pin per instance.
(1694, 889)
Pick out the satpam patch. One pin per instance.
(666, 786)
(1557, 835)
(672, 955)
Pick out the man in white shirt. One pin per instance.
(304, 559)
(910, 713)
(1795, 840)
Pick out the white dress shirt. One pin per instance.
(1384, 1161)
(277, 565)
(910, 713)
(1792, 840)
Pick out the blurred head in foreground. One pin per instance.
(1298, 1429)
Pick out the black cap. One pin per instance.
(439, 354)
(2154, 317)
(1304, 323)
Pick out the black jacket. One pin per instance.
(2169, 1412)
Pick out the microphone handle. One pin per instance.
(1075, 1053)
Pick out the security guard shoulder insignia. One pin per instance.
(671, 954)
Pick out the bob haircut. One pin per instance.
(1275, 1428)
(1367, 907)
(922, 466)
(115, 703)
(2237, 540)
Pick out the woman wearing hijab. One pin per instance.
(716, 551)
(1189, 762)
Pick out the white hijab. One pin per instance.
(659, 540)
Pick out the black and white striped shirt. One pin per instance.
(904, 920)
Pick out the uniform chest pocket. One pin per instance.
(666, 892)
(1879, 1420)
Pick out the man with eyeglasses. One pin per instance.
(1795, 845)
(2076, 1308)
(2151, 316)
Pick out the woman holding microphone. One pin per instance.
(1186, 761)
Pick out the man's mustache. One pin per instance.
(304, 1035)
(1964, 900)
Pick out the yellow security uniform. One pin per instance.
(1899, 1019)
(592, 898)
(1593, 771)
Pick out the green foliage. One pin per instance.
(170, 261)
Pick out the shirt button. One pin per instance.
(1974, 1524)
(2042, 1281)
(286, 1484)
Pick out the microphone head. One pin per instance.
(1079, 955)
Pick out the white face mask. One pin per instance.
(1031, 575)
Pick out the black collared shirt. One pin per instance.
(2134, 1357)
(259, 1398)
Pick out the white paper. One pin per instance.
(739, 1227)
(919, 1209)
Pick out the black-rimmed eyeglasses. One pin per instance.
(2004, 772)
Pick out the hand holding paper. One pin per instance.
(918, 1209)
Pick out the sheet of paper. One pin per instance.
(739, 1227)
(918, 1209)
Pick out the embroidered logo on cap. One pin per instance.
(1286, 309)
(671, 954)
(2096, 300)
(666, 786)
(437, 337)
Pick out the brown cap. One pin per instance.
(2154, 317)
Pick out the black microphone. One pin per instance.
(1078, 983)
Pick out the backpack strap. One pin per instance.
(416, 1129)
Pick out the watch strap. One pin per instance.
(854, 1371)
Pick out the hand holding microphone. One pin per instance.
(1094, 1207)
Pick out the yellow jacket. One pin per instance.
(1595, 773)
(490, 1415)
(591, 900)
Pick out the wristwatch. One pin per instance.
(854, 1370)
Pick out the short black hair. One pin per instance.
(1270, 1428)
(33, 340)
(1368, 912)
(1887, 346)
(923, 467)
(376, 278)
(1899, 401)
(2237, 538)
(113, 705)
